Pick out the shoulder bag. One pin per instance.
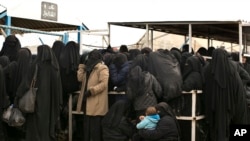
(27, 102)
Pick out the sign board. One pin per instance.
(49, 11)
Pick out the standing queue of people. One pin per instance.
(153, 82)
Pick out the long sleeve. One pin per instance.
(142, 124)
(103, 81)
(80, 72)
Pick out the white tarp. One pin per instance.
(96, 13)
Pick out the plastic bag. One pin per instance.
(6, 114)
(16, 118)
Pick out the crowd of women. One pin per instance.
(148, 78)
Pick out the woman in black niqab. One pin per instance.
(116, 112)
(69, 59)
(41, 125)
(23, 73)
(4, 103)
(10, 47)
(57, 48)
(116, 125)
(225, 101)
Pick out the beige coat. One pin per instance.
(97, 103)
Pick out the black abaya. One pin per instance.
(225, 101)
(41, 125)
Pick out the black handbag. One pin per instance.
(27, 102)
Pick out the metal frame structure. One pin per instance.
(17, 25)
(228, 31)
(237, 32)
(193, 118)
(101, 32)
(75, 112)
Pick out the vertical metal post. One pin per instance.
(79, 28)
(240, 41)
(65, 38)
(8, 23)
(152, 39)
(147, 35)
(193, 130)
(209, 38)
(245, 42)
(208, 42)
(70, 117)
(190, 37)
(109, 34)
(231, 47)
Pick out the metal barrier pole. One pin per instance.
(193, 115)
(193, 118)
(70, 117)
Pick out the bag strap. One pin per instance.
(34, 78)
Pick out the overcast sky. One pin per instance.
(96, 13)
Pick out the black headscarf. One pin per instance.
(146, 50)
(94, 57)
(220, 66)
(142, 61)
(193, 64)
(177, 53)
(70, 57)
(136, 81)
(45, 54)
(119, 60)
(58, 47)
(210, 51)
(10, 47)
(133, 53)
(118, 110)
(202, 51)
(184, 57)
(164, 109)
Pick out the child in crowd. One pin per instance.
(150, 120)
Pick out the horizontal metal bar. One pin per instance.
(192, 91)
(116, 93)
(77, 113)
(190, 118)
(88, 31)
(30, 30)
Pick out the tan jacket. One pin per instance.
(97, 103)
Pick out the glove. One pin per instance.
(88, 93)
